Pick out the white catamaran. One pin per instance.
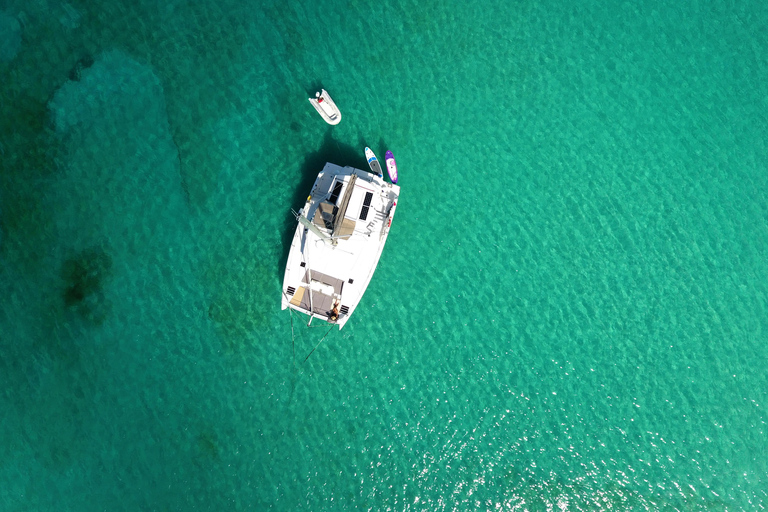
(341, 233)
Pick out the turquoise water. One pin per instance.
(571, 312)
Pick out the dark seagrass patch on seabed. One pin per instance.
(84, 277)
(81, 65)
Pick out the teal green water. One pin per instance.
(571, 312)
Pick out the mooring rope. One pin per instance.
(318, 344)
(293, 339)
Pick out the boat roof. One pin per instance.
(337, 250)
(347, 208)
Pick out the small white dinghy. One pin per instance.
(325, 106)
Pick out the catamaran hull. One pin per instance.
(333, 257)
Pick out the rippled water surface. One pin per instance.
(571, 312)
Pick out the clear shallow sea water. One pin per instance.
(571, 312)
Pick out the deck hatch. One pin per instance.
(291, 290)
(366, 205)
(337, 224)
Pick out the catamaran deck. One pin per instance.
(336, 248)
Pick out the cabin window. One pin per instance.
(337, 186)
